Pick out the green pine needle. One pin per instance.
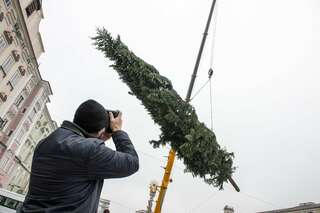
(194, 143)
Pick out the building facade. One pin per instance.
(24, 117)
(308, 207)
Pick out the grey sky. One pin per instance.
(266, 91)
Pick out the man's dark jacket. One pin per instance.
(68, 170)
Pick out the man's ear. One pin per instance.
(103, 135)
(102, 131)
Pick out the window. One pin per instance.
(20, 136)
(2, 199)
(23, 45)
(3, 73)
(7, 3)
(1, 16)
(29, 69)
(7, 64)
(16, 41)
(38, 124)
(32, 83)
(10, 133)
(5, 163)
(24, 56)
(3, 43)
(11, 204)
(15, 78)
(29, 86)
(25, 151)
(25, 92)
(44, 98)
(32, 114)
(10, 85)
(9, 18)
(33, 6)
(19, 101)
(38, 106)
(7, 21)
(3, 123)
(13, 14)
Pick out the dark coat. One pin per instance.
(68, 170)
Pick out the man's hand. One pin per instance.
(115, 123)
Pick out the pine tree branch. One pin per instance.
(195, 144)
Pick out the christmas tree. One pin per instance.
(194, 143)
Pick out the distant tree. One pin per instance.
(194, 143)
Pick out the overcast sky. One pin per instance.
(266, 104)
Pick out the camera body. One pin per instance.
(115, 114)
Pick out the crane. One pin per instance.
(172, 153)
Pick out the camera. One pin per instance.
(115, 114)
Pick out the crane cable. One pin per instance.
(211, 105)
(210, 72)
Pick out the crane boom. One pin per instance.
(172, 153)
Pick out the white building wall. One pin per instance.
(26, 94)
(28, 121)
(41, 128)
(33, 23)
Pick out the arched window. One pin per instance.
(3, 43)
(7, 20)
(8, 3)
(13, 16)
(24, 57)
(16, 41)
(9, 17)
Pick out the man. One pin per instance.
(69, 166)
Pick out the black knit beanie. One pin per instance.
(91, 116)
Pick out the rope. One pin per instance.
(205, 84)
(214, 30)
(196, 207)
(199, 90)
(211, 105)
